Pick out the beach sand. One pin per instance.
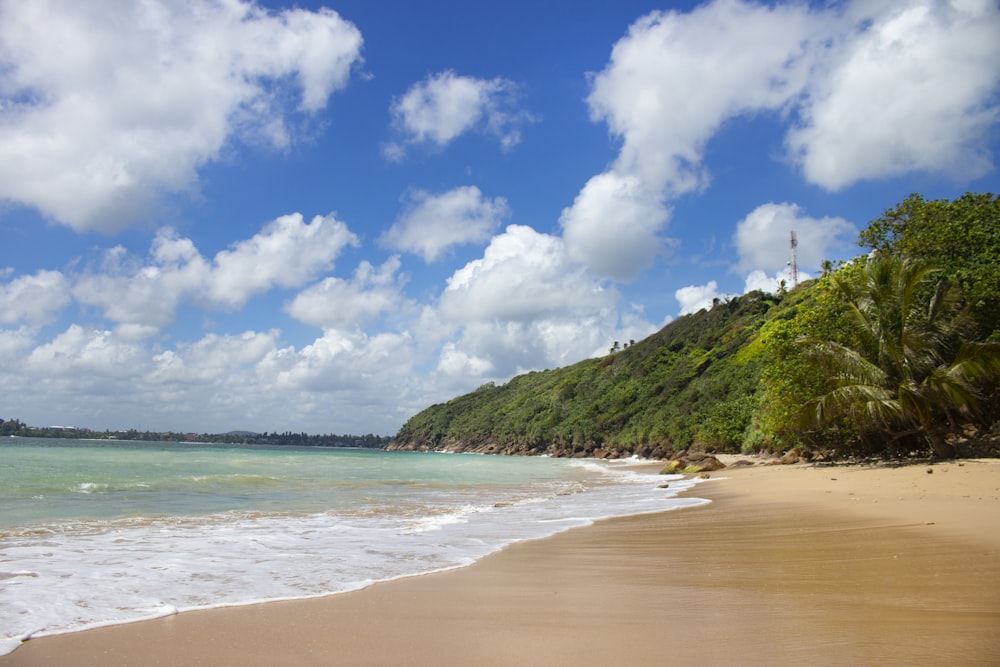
(789, 565)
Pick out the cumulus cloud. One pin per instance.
(35, 299)
(911, 88)
(288, 252)
(457, 364)
(672, 81)
(522, 275)
(763, 237)
(211, 358)
(431, 224)
(14, 343)
(446, 105)
(342, 361)
(82, 352)
(612, 226)
(697, 297)
(337, 383)
(143, 294)
(101, 118)
(526, 305)
(335, 303)
(499, 349)
(676, 77)
(865, 90)
(762, 281)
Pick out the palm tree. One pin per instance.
(906, 372)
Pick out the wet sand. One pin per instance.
(794, 565)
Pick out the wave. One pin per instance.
(198, 482)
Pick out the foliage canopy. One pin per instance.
(908, 372)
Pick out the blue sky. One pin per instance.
(323, 217)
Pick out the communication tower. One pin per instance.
(795, 265)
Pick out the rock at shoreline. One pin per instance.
(692, 462)
(792, 456)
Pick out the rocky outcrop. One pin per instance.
(692, 462)
(793, 455)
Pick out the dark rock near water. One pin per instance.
(692, 462)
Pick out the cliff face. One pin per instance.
(690, 384)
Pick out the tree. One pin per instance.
(961, 236)
(908, 373)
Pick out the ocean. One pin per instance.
(95, 533)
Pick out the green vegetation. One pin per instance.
(747, 373)
(908, 374)
(690, 383)
(960, 236)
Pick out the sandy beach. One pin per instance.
(792, 565)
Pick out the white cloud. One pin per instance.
(499, 349)
(675, 78)
(80, 353)
(212, 359)
(339, 383)
(867, 90)
(143, 296)
(13, 346)
(913, 88)
(102, 117)
(34, 299)
(760, 280)
(287, 253)
(672, 81)
(446, 105)
(433, 223)
(763, 237)
(523, 275)
(342, 361)
(335, 303)
(459, 365)
(525, 305)
(696, 297)
(612, 226)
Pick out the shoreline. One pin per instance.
(788, 564)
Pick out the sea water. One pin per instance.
(101, 532)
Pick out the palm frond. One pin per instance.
(903, 371)
(977, 360)
(869, 403)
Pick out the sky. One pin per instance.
(324, 217)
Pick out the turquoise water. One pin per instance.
(98, 532)
(45, 480)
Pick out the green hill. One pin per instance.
(695, 382)
(903, 371)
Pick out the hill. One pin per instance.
(894, 353)
(695, 382)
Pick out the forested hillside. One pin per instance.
(684, 383)
(893, 353)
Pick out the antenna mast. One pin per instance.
(795, 266)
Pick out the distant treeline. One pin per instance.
(369, 441)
